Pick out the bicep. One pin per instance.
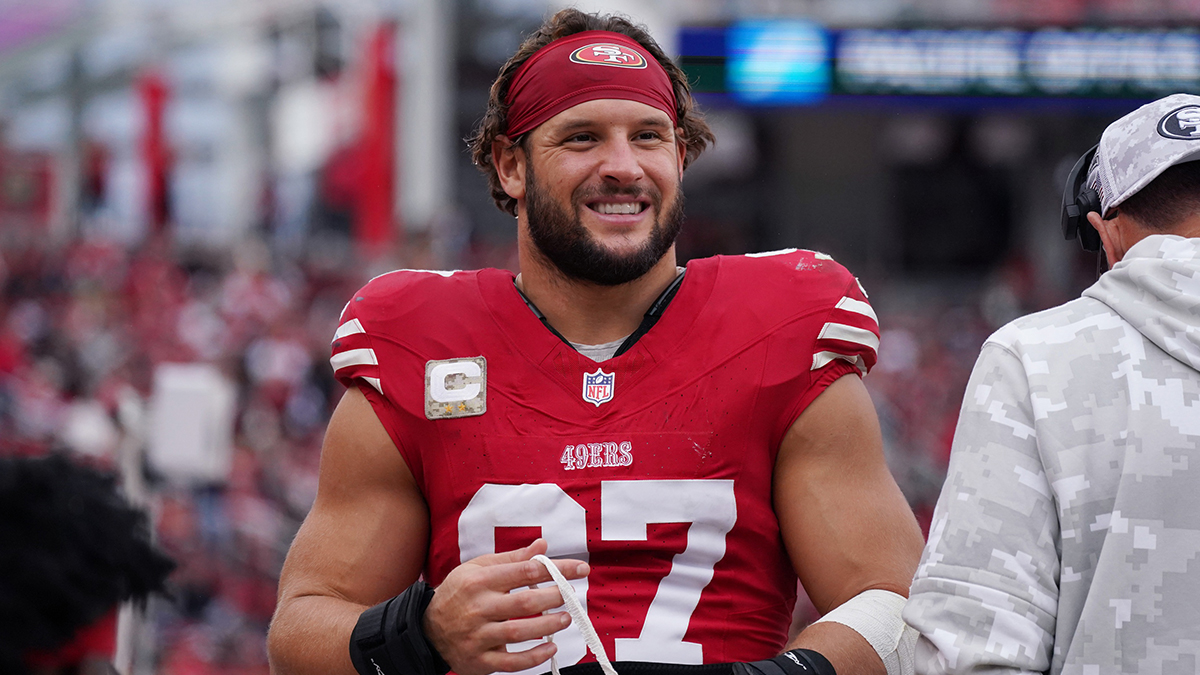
(365, 538)
(844, 521)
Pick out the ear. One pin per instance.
(509, 159)
(1112, 236)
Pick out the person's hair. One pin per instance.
(696, 134)
(73, 549)
(1167, 200)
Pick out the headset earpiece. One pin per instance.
(1078, 201)
(1089, 238)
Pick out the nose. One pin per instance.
(620, 164)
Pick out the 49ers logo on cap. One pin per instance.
(608, 54)
(1181, 124)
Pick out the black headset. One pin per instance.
(1078, 201)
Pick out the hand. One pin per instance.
(473, 617)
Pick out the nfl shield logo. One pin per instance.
(598, 387)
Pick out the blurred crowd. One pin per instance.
(84, 327)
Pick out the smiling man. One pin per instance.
(674, 447)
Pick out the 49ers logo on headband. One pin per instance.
(608, 54)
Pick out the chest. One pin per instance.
(594, 465)
(578, 421)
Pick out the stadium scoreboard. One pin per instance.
(799, 62)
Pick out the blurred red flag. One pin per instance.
(373, 227)
(154, 93)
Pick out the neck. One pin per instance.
(1133, 232)
(587, 313)
(1189, 228)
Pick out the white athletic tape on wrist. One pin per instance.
(875, 615)
(578, 617)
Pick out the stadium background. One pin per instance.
(189, 192)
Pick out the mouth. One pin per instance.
(617, 208)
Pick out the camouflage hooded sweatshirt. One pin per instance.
(1067, 535)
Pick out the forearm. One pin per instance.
(848, 651)
(311, 634)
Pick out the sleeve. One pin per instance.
(850, 332)
(985, 595)
(355, 358)
(841, 338)
(351, 354)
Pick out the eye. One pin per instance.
(581, 137)
(648, 136)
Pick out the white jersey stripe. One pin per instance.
(374, 382)
(353, 357)
(850, 305)
(840, 331)
(767, 254)
(822, 359)
(351, 327)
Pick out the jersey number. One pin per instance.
(626, 508)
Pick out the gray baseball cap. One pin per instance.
(1135, 149)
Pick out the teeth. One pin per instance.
(623, 208)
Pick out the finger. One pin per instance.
(571, 568)
(526, 602)
(515, 631)
(516, 555)
(501, 660)
(529, 572)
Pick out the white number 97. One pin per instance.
(626, 508)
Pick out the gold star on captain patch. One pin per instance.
(462, 407)
(449, 408)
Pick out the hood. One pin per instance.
(1156, 288)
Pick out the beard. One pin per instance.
(560, 237)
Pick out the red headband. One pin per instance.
(583, 67)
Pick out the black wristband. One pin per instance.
(389, 638)
(795, 662)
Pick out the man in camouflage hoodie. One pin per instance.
(1067, 535)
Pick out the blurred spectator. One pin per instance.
(74, 549)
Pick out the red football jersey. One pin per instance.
(654, 466)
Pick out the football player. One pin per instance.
(678, 445)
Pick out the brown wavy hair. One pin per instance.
(696, 134)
